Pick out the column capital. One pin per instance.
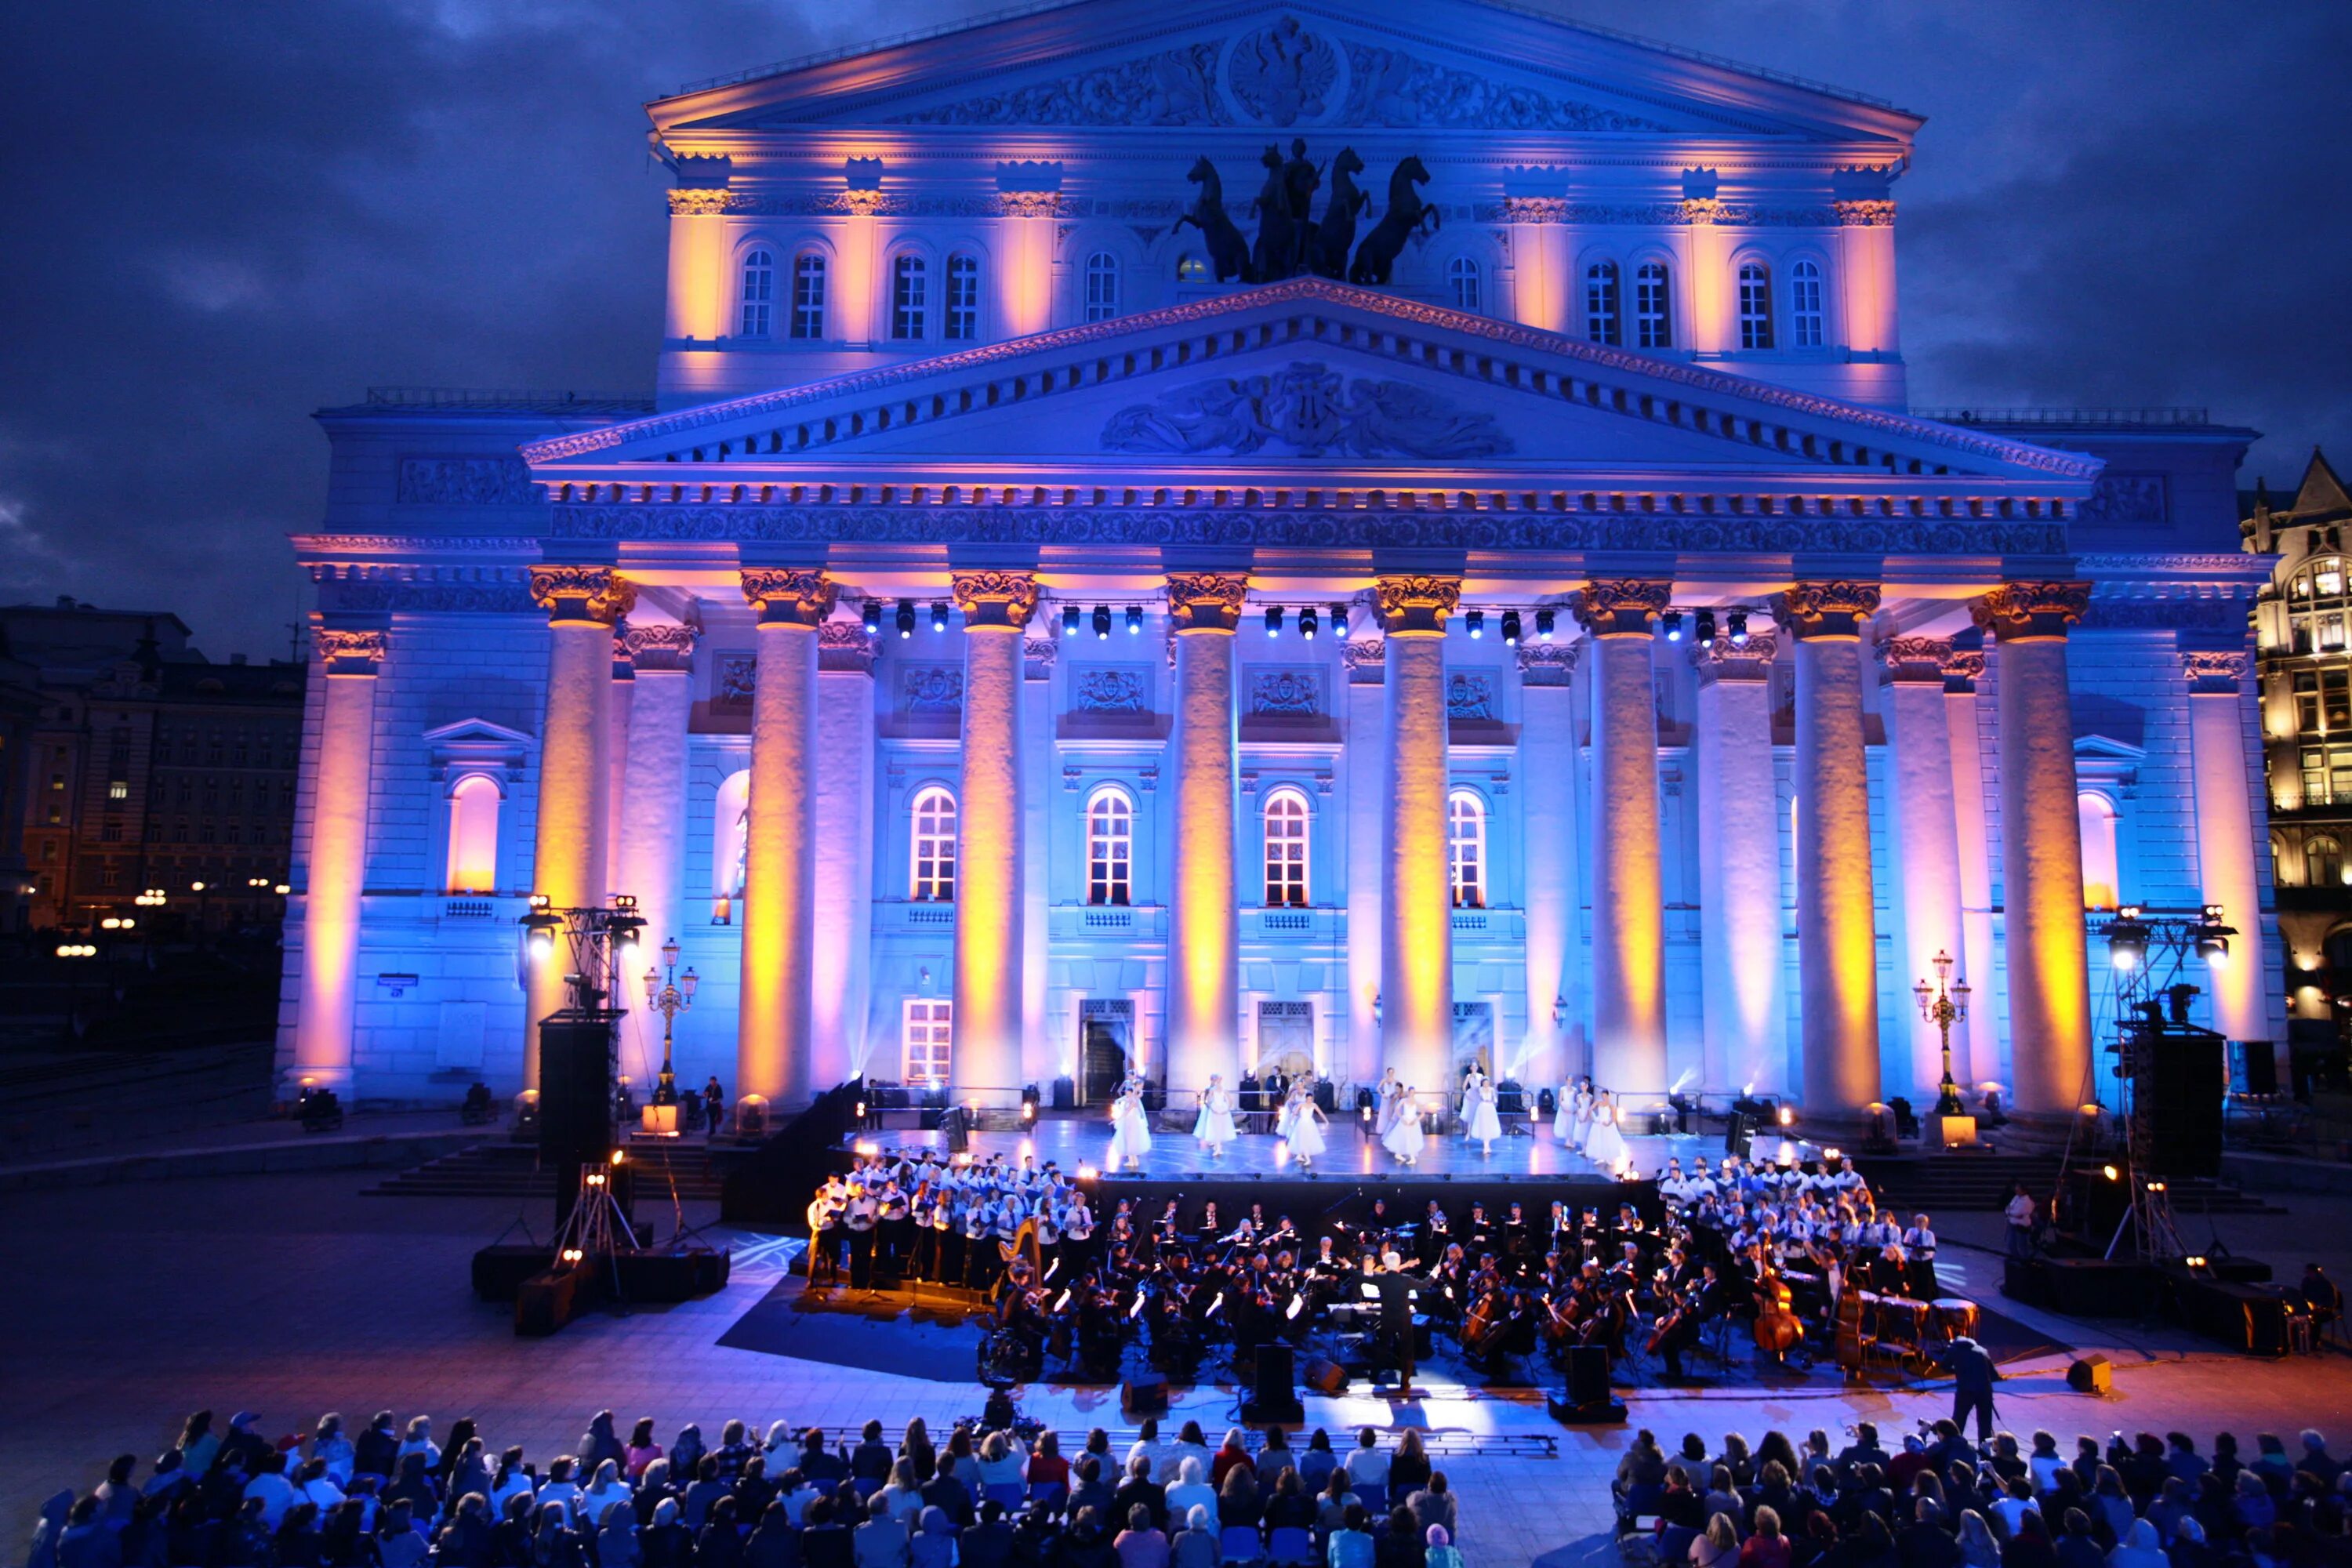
(2020, 612)
(790, 595)
(1962, 671)
(1415, 604)
(1876, 212)
(1731, 666)
(1835, 608)
(1039, 655)
(2213, 673)
(1366, 659)
(1206, 601)
(579, 594)
(1622, 607)
(661, 648)
(1536, 209)
(346, 651)
(1914, 661)
(1549, 663)
(844, 646)
(995, 600)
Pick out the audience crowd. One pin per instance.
(1939, 1500)
(994, 1494)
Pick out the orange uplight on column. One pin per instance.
(986, 1059)
(1205, 959)
(348, 662)
(2225, 835)
(1628, 990)
(1416, 1008)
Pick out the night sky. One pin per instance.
(222, 218)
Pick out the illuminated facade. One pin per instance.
(934, 659)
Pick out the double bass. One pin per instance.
(1482, 1323)
(1778, 1329)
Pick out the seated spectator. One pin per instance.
(1817, 1544)
(1000, 1463)
(1316, 1465)
(2170, 1507)
(707, 1489)
(1397, 1543)
(604, 1488)
(825, 1541)
(2188, 1549)
(297, 1544)
(346, 1541)
(1046, 1465)
(277, 1493)
(2182, 1458)
(1368, 1462)
(945, 1492)
(2029, 1546)
(1232, 1451)
(2225, 1457)
(399, 1544)
(1237, 1501)
(987, 1544)
(1289, 1508)
(1086, 1544)
(1865, 1448)
(1765, 1547)
(1922, 1543)
(1196, 1545)
(2077, 1548)
(1093, 1491)
(1434, 1504)
(2139, 1549)
(1331, 1506)
(1192, 1489)
(1409, 1466)
(775, 1542)
(1723, 1497)
(1140, 1544)
(900, 1492)
(1716, 1546)
(720, 1543)
(616, 1538)
(332, 1448)
(2045, 1464)
(1442, 1552)
(1978, 1547)
(1351, 1544)
(1159, 1451)
(1191, 1444)
(2255, 1508)
(881, 1542)
(641, 1450)
(2315, 1462)
(2011, 1508)
(1275, 1457)
(419, 1441)
(463, 1543)
(1140, 1491)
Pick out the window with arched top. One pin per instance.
(1755, 306)
(1110, 848)
(474, 835)
(2317, 607)
(910, 300)
(2323, 861)
(1653, 306)
(1285, 824)
(1192, 269)
(808, 295)
(1465, 849)
(2095, 815)
(1600, 302)
(1462, 277)
(963, 298)
(730, 825)
(932, 847)
(1805, 305)
(759, 293)
(1102, 286)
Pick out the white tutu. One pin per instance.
(1404, 1137)
(1485, 1125)
(1606, 1146)
(1215, 1127)
(1130, 1136)
(1304, 1133)
(1563, 1116)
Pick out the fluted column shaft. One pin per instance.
(996, 606)
(1980, 1060)
(1629, 962)
(1204, 934)
(1837, 941)
(2041, 842)
(336, 874)
(1416, 889)
(2225, 838)
(840, 956)
(653, 814)
(1738, 870)
(775, 1039)
(1926, 847)
(583, 604)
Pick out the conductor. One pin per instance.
(1396, 1288)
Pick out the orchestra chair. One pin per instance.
(1292, 1544)
(1240, 1543)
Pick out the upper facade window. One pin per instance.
(1462, 277)
(1805, 305)
(758, 294)
(963, 298)
(1110, 848)
(2323, 705)
(1102, 286)
(1653, 306)
(1465, 849)
(1285, 849)
(1600, 303)
(909, 299)
(808, 295)
(933, 845)
(473, 835)
(1755, 306)
(2316, 606)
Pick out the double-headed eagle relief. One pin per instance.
(1290, 241)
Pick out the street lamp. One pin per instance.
(668, 994)
(1944, 1005)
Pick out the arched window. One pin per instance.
(759, 292)
(729, 836)
(2316, 608)
(1805, 305)
(1755, 306)
(1190, 269)
(808, 294)
(1102, 286)
(1286, 850)
(933, 847)
(2280, 877)
(2323, 861)
(2095, 815)
(1462, 276)
(1653, 306)
(1110, 848)
(1600, 302)
(963, 298)
(910, 300)
(1465, 849)
(474, 835)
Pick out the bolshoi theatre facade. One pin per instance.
(1336, 537)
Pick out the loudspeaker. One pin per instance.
(1738, 1135)
(1587, 1400)
(2188, 1075)
(1144, 1396)
(576, 1125)
(1324, 1376)
(1275, 1399)
(2091, 1374)
(2261, 1065)
(547, 1301)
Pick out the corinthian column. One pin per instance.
(1204, 936)
(1738, 868)
(1629, 952)
(653, 815)
(335, 876)
(1548, 829)
(1982, 1027)
(2218, 750)
(2041, 841)
(844, 852)
(776, 1035)
(1837, 941)
(996, 606)
(583, 605)
(1925, 850)
(1416, 887)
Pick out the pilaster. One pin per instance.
(350, 659)
(1740, 942)
(989, 944)
(1924, 852)
(841, 947)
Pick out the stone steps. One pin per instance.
(507, 1169)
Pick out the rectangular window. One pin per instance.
(2336, 699)
(110, 832)
(926, 1039)
(1652, 309)
(1600, 303)
(2331, 633)
(909, 299)
(2307, 703)
(808, 295)
(118, 789)
(963, 298)
(1755, 308)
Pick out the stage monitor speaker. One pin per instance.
(2260, 1066)
(2091, 1374)
(1738, 1135)
(2182, 1101)
(1324, 1377)
(1144, 1396)
(1588, 1374)
(1274, 1399)
(576, 1125)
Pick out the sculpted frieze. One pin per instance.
(1174, 87)
(1117, 691)
(1286, 693)
(935, 689)
(1307, 409)
(1469, 696)
(464, 481)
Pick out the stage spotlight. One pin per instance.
(1339, 622)
(1544, 625)
(1308, 624)
(1673, 623)
(939, 614)
(2212, 936)
(1135, 620)
(1273, 620)
(2128, 941)
(1071, 615)
(906, 621)
(1706, 628)
(1510, 628)
(1737, 622)
(872, 618)
(1102, 622)
(1475, 622)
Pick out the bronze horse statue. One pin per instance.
(1336, 235)
(1406, 217)
(1228, 256)
(1276, 254)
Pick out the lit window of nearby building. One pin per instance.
(1102, 286)
(110, 832)
(1755, 307)
(759, 293)
(2323, 701)
(2096, 816)
(934, 846)
(2326, 775)
(1285, 849)
(2317, 607)
(1462, 277)
(1110, 848)
(927, 1038)
(963, 298)
(1653, 306)
(909, 298)
(118, 789)
(1465, 849)
(808, 295)
(473, 835)
(1805, 305)
(2323, 861)
(1600, 302)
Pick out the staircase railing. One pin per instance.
(772, 1185)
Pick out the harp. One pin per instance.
(1024, 1244)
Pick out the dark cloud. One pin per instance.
(226, 216)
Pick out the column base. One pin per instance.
(338, 1081)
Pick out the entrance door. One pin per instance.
(1286, 1038)
(1474, 1041)
(1103, 1060)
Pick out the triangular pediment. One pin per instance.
(1306, 376)
(1437, 65)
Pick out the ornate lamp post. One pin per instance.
(1945, 1004)
(669, 994)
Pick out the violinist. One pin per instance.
(1478, 1231)
(1919, 1246)
(1686, 1311)
(1436, 1235)
(1519, 1247)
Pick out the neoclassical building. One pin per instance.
(1050, 620)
